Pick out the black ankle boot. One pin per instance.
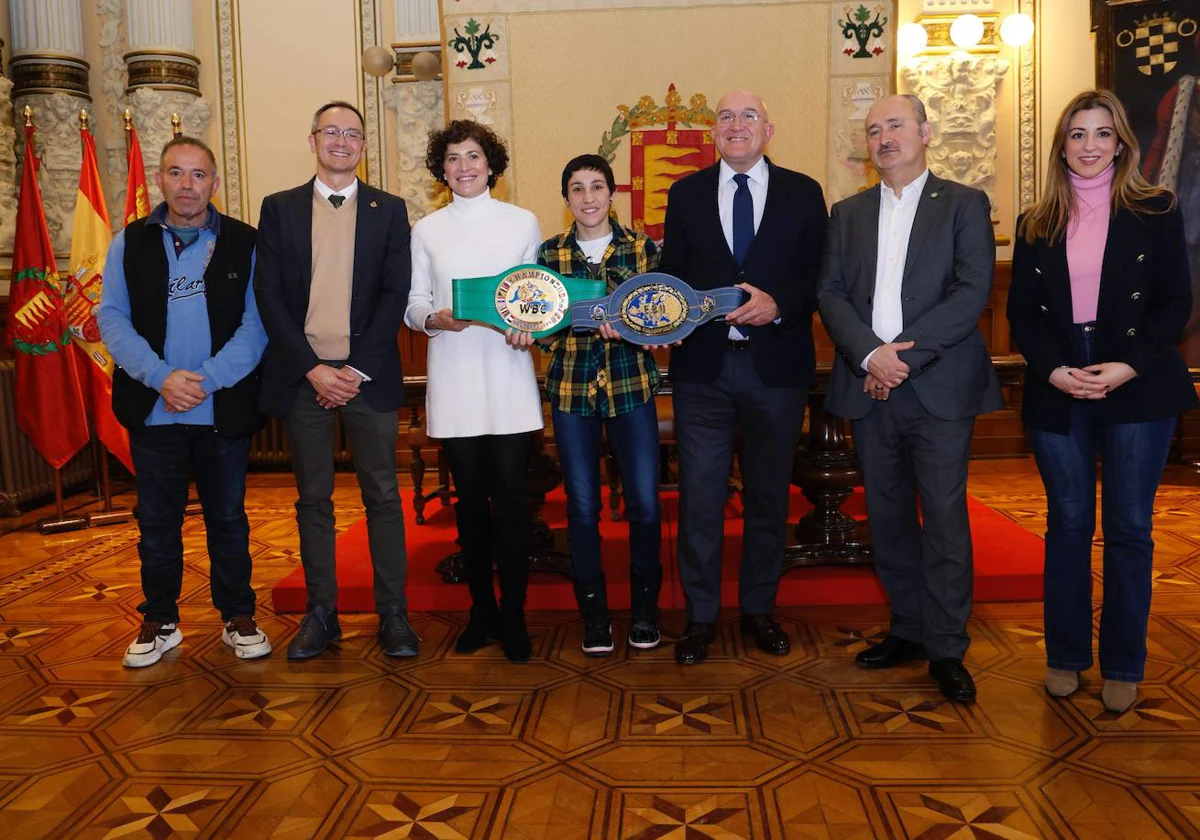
(597, 630)
(643, 605)
(482, 629)
(515, 641)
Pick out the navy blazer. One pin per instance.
(283, 277)
(1145, 302)
(783, 261)
(948, 272)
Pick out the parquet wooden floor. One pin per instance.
(747, 746)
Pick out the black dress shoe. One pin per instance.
(767, 633)
(318, 629)
(953, 679)
(692, 647)
(396, 636)
(890, 652)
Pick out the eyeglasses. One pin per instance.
(747, 117)
(331, 133)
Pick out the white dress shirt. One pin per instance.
(896, 217)
(726, 187)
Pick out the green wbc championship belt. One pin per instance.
(528, 297)
(656, 308)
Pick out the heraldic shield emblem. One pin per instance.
(1155, 42)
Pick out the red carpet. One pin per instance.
(1008, 564)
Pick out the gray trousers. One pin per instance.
(925, 564)
(706, 418)
(371, 435)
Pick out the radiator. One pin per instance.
(26, 479)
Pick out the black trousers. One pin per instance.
(492, 514)
(372, 438)
(706, 418)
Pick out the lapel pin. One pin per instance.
(374, 203)
(933, 195)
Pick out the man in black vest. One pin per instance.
(179, 317)
(746, 222)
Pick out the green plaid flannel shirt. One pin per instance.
(588, 375)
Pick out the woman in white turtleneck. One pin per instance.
(482, 397)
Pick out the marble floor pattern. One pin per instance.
(356, 745)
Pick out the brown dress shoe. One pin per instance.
(692, 647)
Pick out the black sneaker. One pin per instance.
(644, 635)
(396, 636)
(318, 630)
(597, 640)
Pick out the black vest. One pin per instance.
(235, 409)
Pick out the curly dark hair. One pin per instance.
(459, 131)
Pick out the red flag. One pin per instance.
(90, 239)
(49, 398)
(137, 196)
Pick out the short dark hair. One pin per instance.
(460, 131)
(337, 103)
(591, 163)
(183, 140)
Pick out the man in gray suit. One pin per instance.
(907, 271)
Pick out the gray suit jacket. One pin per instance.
(947, 279)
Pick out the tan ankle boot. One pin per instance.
(1118, 696)
(1061, 683)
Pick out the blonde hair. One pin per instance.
(1049, 217)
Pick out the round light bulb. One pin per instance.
(1016, 30)
(426, 66)
(378, 61)
(966, 31)
(911, 38)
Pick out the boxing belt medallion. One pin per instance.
(656, 308)
(527, 297)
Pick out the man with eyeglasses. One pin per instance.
(750, 223)
(332, 284)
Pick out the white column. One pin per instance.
(418, 22)
(164, 77)
(50, 76)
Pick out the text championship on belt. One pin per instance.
(531, 298)
(656, 308)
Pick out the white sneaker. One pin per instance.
(154, 639)
(247, 641)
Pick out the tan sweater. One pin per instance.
(327, 324)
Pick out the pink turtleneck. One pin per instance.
(1086, 236)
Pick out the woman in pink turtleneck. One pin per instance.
(1100, 295)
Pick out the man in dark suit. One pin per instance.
(749, 223)
(332, 284)
(907, 271)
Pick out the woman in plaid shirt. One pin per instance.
(597, 381)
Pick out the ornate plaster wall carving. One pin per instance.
(8, 167)
(418, 109)
(371, 97)
(960, 95)
(231, 179)
(56, 116)
(1026, 121)
(113, 79)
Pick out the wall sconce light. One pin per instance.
(1016, 30)
(911, 38)
(411, 63)
(966, 31)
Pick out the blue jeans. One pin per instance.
(1133, 456)
(633, 437)
(165, 458)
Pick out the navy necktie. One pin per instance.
(743, 218)
(336, 200)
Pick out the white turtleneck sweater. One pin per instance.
(477, 384)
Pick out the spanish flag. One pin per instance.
(90, 239)
(137, 196)
(50, 407)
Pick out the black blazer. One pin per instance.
(783, 261)
(1145, 301)
(382, 274)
